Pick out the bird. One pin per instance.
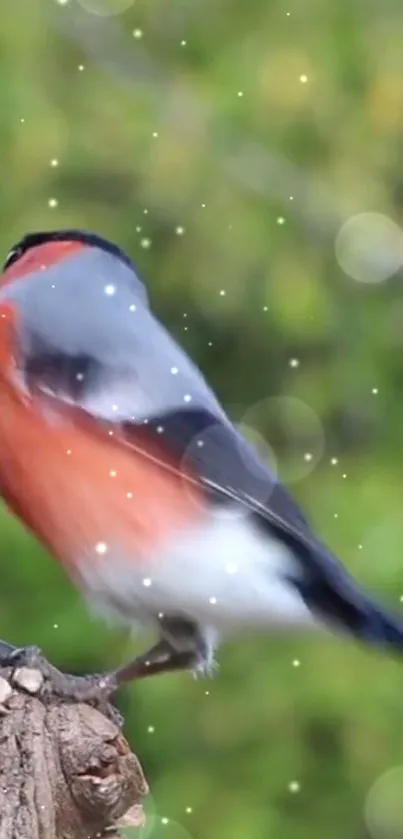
(118, 456)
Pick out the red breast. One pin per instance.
(80, 485)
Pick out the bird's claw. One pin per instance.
(92, 689)
(24, 657)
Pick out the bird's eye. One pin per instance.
(12, 257)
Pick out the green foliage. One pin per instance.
(260, 167)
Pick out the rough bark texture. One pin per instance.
(66, 771)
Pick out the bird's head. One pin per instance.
(67, 299)
(40, 250)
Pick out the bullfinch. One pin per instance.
(119, 458)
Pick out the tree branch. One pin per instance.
(66, 771)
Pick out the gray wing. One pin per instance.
(88, 336)
(92, 309)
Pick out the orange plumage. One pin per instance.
(80, 485)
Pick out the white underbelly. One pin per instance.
(224, 574)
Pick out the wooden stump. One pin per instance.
(66, 771)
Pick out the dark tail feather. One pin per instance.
(341, 604)
(381, 629)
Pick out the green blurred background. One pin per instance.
(224, 144)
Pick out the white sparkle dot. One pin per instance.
(62, 2)
(187, 397)
(81, 67)
(334, 461)
(160, 429)
(174, 371)
(138, 229)
(213, 601)
(22, 119)
(55, 626)
(164, 820)
(401, 598)
(137, 33)
(308, 456)
(54, 162)
(68, 451)
(281, 220)
(179, 230)
(110, 289)
(113, 473)
(189, 810)
(80, 377)
(204, 206)
(231, 568)
(294, 362)
(115, 407)
(145, 243)
(110, 433)
(210, 343)
(303, 78)
(160, 615)
(145, 212)
(53, 202)
(345, 475)
(200, 444)
(132, 307)
(375, 390)
(265, 308)
(223, 292)
(240, 93)
(336, 516)
(360, 547)
(129, 495)
(291, 198)
(101, 548)
(183, 43)
(147, 582)
(155, 133)
(151, 729)
(294, 786)
(207, 693)
(296, 662)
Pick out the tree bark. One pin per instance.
(66, 771)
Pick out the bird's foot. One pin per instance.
(97, 689)
(93, 689)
